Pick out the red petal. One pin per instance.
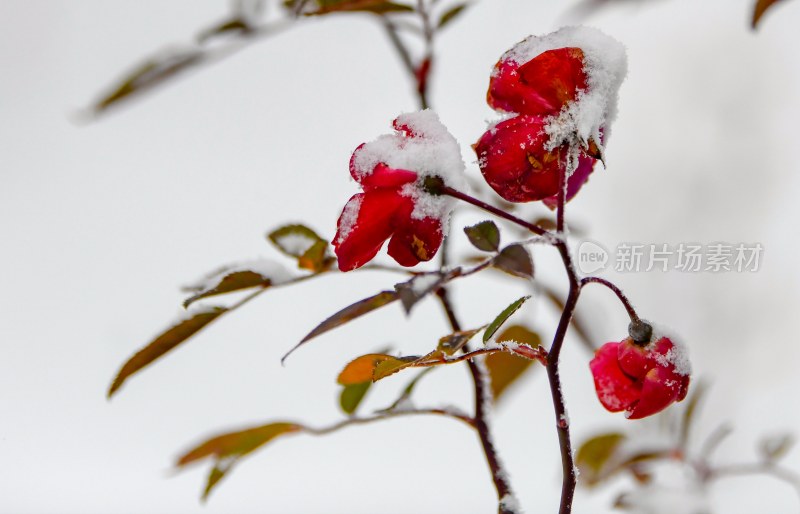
(539, 87)
(415, 241)
(514, 162)
(373, 225)
(385, 177)
(353, 172)
(575, 181)
(635, 360)
(556, 75)
(615, 390)
(659, 389)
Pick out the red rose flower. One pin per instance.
(641, 380)
(541, 86)
(393, 205)
(515, 162)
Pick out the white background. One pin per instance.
(101, 223)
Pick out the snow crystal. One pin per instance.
(605, 65)
(678, 355)
(274, 271)
(510, 503)
(349, 217)
(430, 151)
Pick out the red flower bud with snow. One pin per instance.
(540, 86)
(393, 204)
(640, 379)
(516, 162)
(563, 88)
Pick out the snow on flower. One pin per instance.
(393, 204)
(641, 379)
(563, 87)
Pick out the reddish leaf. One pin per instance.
(237, 444)
(348, 314)
(373, 6)
(760, 8)
(505, 368)
(165, 342)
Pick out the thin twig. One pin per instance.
(617, 291)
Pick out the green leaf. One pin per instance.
(502, 317)
(484, 235)
(451, 343)
(217, 473)
(774, 447)
(147, 75)
(761, 7)
(348, 314)
(593, 455)
(515, 260)
(165, 342)
(231, 282)
(451, 14)
(302, 243)
(237, 444)
(391, 366)
(352, 395)
(505, 368)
